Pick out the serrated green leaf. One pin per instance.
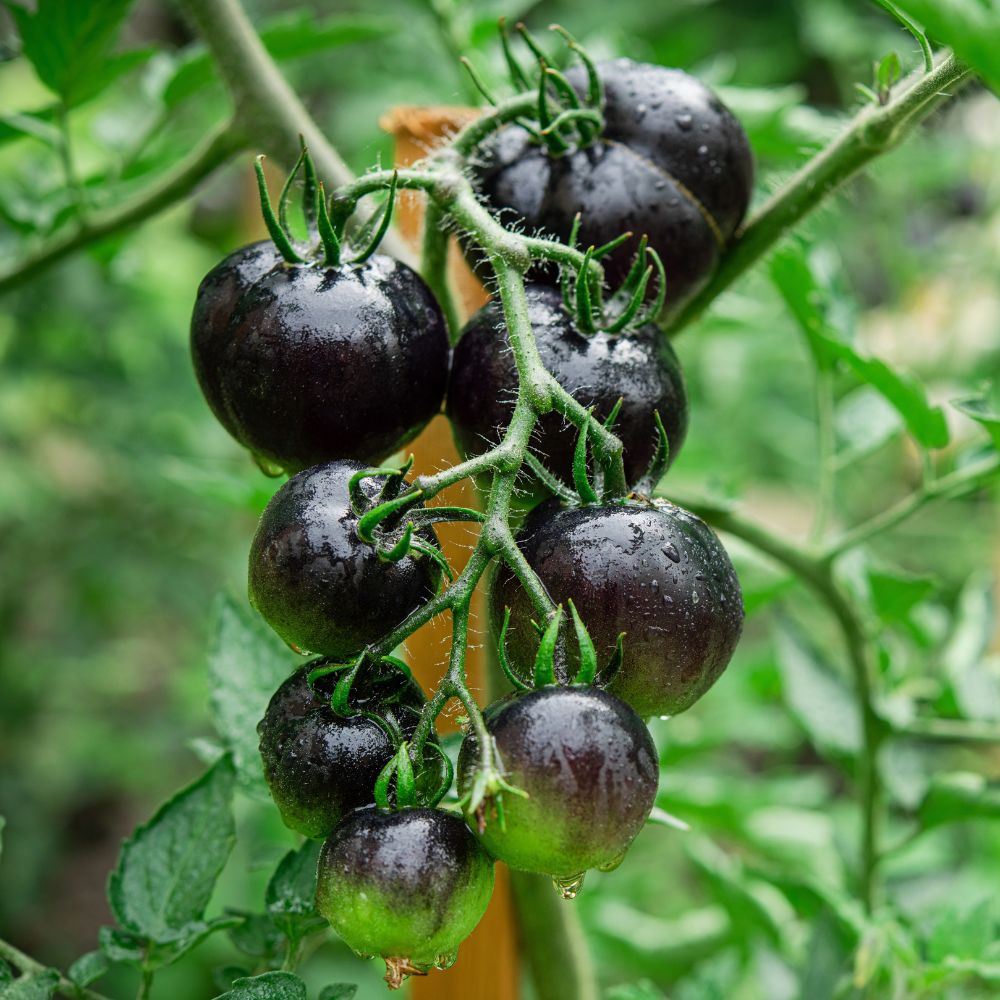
(246, 665)
(817, 696)
(807, 301)
(168, 868)
(121, 946)
(956, 797)
(88, 968)
(69, 45)
(982, 410)
(33, 986)
(970, 27)
(290, 36)
(269, 986)
(338, 991)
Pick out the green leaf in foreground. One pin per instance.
(168, 867)
(88, 968)
(338, 991)
(246, 664)
(269, 986)
(33, 986)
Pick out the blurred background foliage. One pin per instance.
(124, 508)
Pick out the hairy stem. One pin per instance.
(871, 132)
(434, 266)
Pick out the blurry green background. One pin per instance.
(124, 508)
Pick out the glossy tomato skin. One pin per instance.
(214, 305)
(649, 569)
(589, 768)
(639, 367)
(672, 163)
(330, 363)
(315, 582)
(410, 884)
(320, 766)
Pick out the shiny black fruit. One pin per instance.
(214, 305)
(589, 768)
(315, 582)
(326, 363)
(649, 569)
(672, 163)
(639, 367)
(408, 885)
(320, 766)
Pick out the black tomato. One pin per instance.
(320, 766)
(408, 885)
(639, 367)
(315, 582)
(327, 363)
(649, 569)
(214, 305)
(672, 163)
(589, 768)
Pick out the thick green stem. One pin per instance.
(552, 940)
(177, 183)
(434, 266)
(870, 133)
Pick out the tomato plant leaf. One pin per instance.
(32, 986)
(974, 687)
(69, 45)
(965, 930)
(168, 868)
(807, 301)
(895, 594)
(269, 986)
(338, 991)
(816, 696)
(982, 410)
(246, 664)
(957, 797)
(290, 36)
(291, 893)
(970, 27)
(88, 968)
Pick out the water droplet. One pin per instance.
(613, 863)
(702, 150)
(568, 887)
(694, 597)
(664, 718)
(446, 961)
(684, 122)
(670, 551)
(640, 109)
(655, 584)
(667, 599)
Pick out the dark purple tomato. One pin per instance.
(649, 569)
(408, 885)
(320, 766)
(315, 582)
(214, 305)
(639, 367)
(672, 163)
(589, 768)
(328, 363)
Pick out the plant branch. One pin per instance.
(265, 106)
(950, 730)
(177, 183)
(873, 131)
(956, 484)
(27, 965)
(818, 574)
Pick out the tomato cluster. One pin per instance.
(323, 369)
